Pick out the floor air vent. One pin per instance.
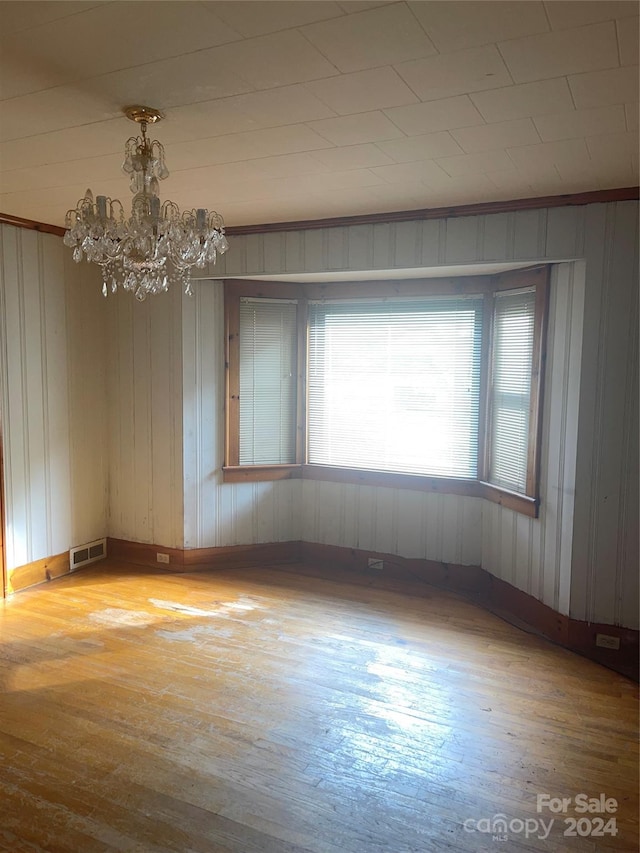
(85, 554)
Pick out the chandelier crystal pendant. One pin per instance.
(157, 246)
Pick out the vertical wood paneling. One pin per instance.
(313, 247)
(274, 252)
(507, 545)
(535, 586)
(564, 232)
(598, 239)
(574, 556)
(462, 240)
(327, 517)
(471, 532)
(385, 521)
(410, 524)
(522, 548)
(33, 355)
(244, 498)
(309, 504)
(39, 363)
(216, 514)
(573, 334)
(432, 243)
(628, 581)
(365, 530)
(383, 245)
(207, 392)
(145, 405)
(165, 401)
(337, 251)
(121, 418)
(360, 247)
(613, 415)
(408, 244)
(141, 428)
(553, 435)
(601, 569)
(254, 254)
(529, 234)
(536, 555)
(188, 346)
(225, 515)
(350, 498)
(294, 251)
(497, 244)
(393, 521)
(16, 446)
(451, 521)
(490, 555)
(56, 390)
(434, 526)
(86, 323)
(264, 512)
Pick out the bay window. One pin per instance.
(428, 384)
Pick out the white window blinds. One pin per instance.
(394, 386)
(268, 347)
(510, 388)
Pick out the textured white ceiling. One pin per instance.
(281, 111)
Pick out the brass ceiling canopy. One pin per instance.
(141, 114)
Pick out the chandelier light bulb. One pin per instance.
(155, 247)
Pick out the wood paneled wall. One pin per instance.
(52, 398)
(534, 555)
(423, 525)
(605, 558)
(216, 514)
(165, 367)
(145, 399)
(166, 431)
(581, 556)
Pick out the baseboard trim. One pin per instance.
(40, 571)
(351, 565)
(487, 591)
(203, 559)
(335, 559)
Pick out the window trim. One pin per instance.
(235, 289)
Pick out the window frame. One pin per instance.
(303, 292)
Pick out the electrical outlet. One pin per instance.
(373, 563)
(162, 558)
(606, 641)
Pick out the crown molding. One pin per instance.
(31, 224)
(480, 209)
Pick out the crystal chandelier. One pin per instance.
(157, 245)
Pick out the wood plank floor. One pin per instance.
(269, 711)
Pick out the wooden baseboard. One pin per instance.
(336, 559)
(37, 572)
(140, 554)
(352, 565)
(201, 559)
(484, 589)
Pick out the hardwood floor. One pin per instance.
(269, 711)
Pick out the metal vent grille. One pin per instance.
(89, 553)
